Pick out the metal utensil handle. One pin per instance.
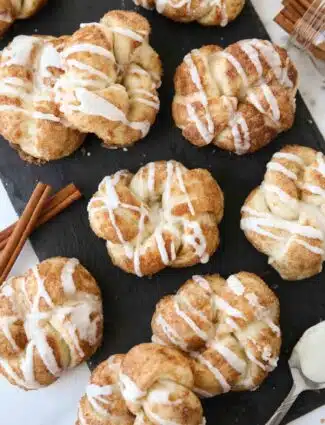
(285, 406)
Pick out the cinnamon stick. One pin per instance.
(54, 206)
(23, 229)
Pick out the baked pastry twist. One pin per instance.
(285, 216)
(164, 215)
(213, 336)
(206, 12)
(10, 10)
(50, 320)
(151, 385)
(229, 328)
(111, 78)
(29, 117)
(239, 98)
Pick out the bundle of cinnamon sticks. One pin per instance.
(305, 20)
(39, 209)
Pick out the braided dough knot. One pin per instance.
(285, 217)
(50, 320)
(239, 98)
(229, 329)
(206, 12)
(111, 79)
(164, 215)
(29, 117)
(10, 10)
(150, 385)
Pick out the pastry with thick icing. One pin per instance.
(29, 117)
(111, 77)
(239, 98)
(213, 336)
(284, 217)
(50, 320)
(206, 12)
(164, 215)
(229, 329)
(150, 385)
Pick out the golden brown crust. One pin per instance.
(103, 79)
(29, 118)
(103, 403)
(239, 98)
(111, 79)
(164, 215)
(50, 320)
(154, 382)
(229, 328)
(203, 11)
(10, 10)
(284, 217)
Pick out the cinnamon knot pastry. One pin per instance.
(228, 328)
(285, 216)
(206, 12)
(29, 118)
(10, 10)
(50, 320)
(164, 215)
(238, 98)
(111, 78)
(151, 385)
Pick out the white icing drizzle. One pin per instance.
(74, 318)
(195, 328)
(171, 333)
(92, 104)
(221, 4)
(127, 33)
(237, 65)
(68, 270)
(175, 4)
(272, 101)
(276, 166)
(238, 126)
(162, 247)
(151, 177)
(235, 362)
(256, 220)
(88, 48)
(19, 51)
(230, 322)
(235, 285)
(5, 323)
(206, 130)
(165, 223)
(84, 67)
(290, 157)
(283, 196)
(315, 190)
(96, 394)
(203, 283)
(182, 186)
(131, 392)
(159, 420)
(222, 305)
(214, 370)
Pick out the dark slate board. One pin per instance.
(129, 302)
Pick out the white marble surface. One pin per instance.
(312, 84)
(57, 404)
